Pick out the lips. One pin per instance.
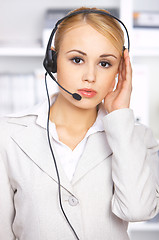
(87, 92)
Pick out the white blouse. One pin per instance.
(69, 158)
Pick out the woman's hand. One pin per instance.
(120, 97)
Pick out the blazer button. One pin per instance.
(73, 201)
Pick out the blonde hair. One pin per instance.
(106, 25)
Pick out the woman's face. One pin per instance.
(87, 64)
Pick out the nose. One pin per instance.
(89, 73)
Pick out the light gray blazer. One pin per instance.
(114, 182)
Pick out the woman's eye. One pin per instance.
(105, 64)
(77, 60)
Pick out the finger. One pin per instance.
(125, 71)
(120, 78)
(119, 84)
(128, 73)
(126, 55)
(128, 66)
(120, 64)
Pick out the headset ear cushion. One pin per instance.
(50, 61)
(54, 61)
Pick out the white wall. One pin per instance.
(144, 5)
(23, 19)
(152, 64)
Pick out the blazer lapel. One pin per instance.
(97, 149)
(32, 139)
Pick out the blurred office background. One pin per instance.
(24, 30)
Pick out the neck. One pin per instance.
(64, 113)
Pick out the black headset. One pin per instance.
(50, 64)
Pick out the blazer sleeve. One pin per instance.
(6, 203)
(135, 167)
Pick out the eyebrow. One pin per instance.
(74, 50)
(108, 55)
(83, 53)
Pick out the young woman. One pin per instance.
(106, 163)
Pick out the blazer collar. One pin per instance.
(32, 139)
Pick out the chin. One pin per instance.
(87, 105)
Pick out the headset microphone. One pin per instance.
(76, 96)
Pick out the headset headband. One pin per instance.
(85, 11)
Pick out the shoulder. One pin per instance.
(13, 123)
